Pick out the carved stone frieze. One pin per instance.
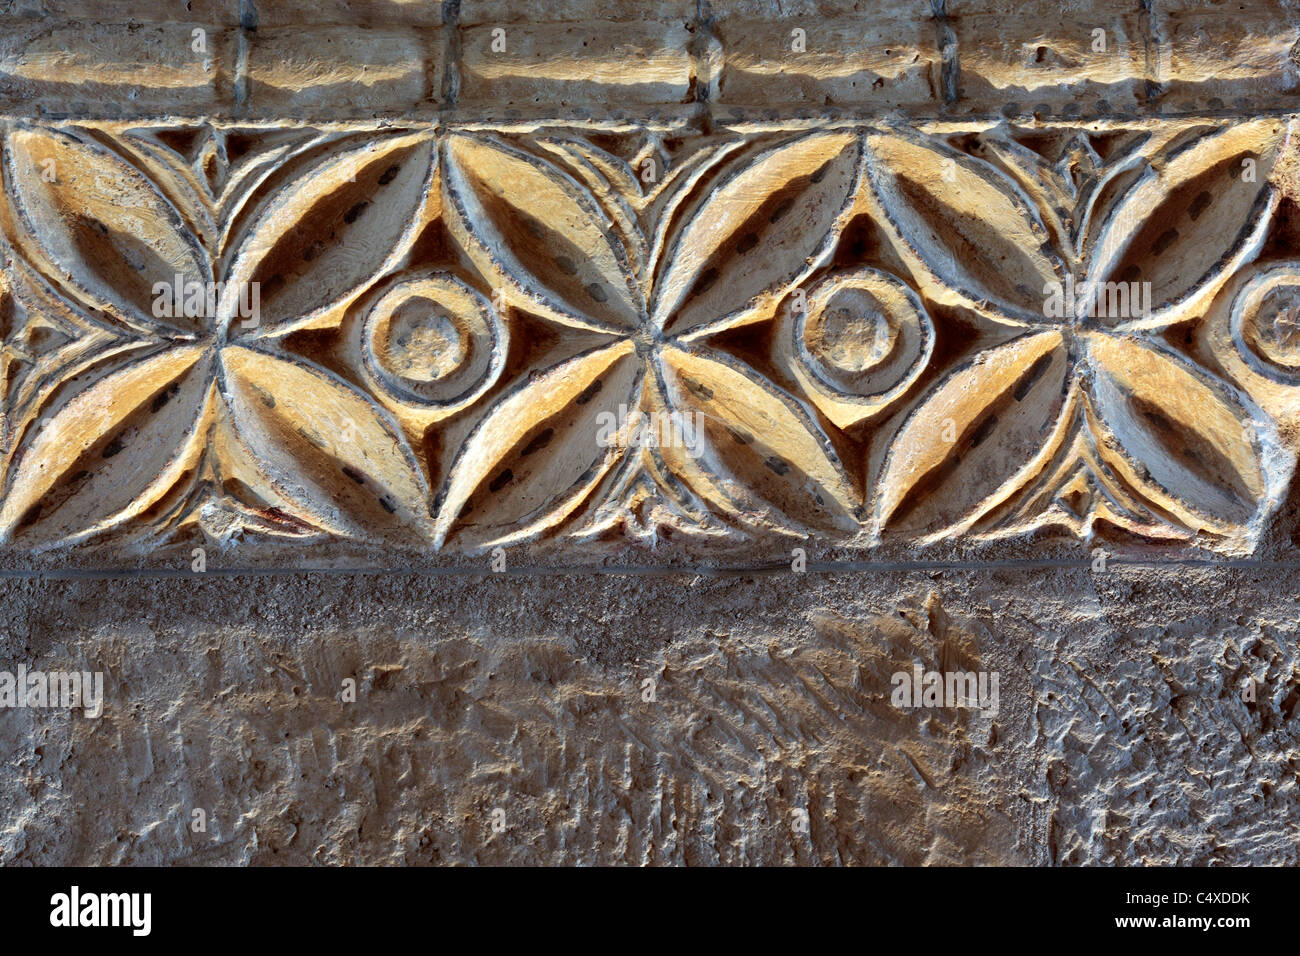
(491, 322)
(451, 338)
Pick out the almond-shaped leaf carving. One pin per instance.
(525, 217)
(102, 229)
(1186, 440)
(508, 203)
(1094, 206)
(330, 232)
(1188, 226)
(964, 225)
(254, 498)
(759, 449)
(981, 435)
(324, 446)
(611, 186)
(110, 451)
(764, 227)
(1051, 194)
(541, 448)
(120, 417)
(665, 201)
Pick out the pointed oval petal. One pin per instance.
(108, 452)
(333, 230)
(521, 215)
(1182, 229)
(755, 445)
(764, 227)
(251, 500)
(541, 449)
(99, 223)
(1186, 440)
(965, 225)
(322, 444)
(611, 184)
(977, 438)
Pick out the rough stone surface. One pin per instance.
(1121, 735)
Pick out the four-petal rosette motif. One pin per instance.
(1087, 413)
(643, 281)
(185, 397)
(466, 338)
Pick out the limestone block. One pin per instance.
(1210, 59)
(1048, 59)
(503, 12)
(218, 13)
(347, 71)
(877, 63)
(559, 66)
(370, 14)
(121, 69)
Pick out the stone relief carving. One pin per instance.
(455, 338)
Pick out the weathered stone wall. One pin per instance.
(1121, 736)
(810, 249)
